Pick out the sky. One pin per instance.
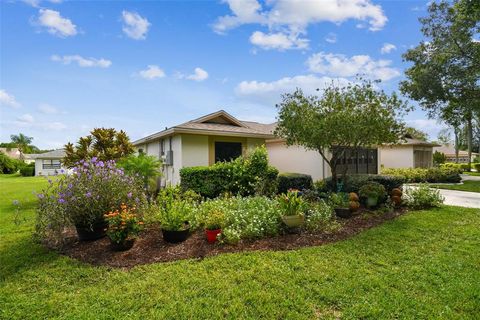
(67, 67)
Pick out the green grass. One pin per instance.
(468, 185)
(424, 264)
(471, 173)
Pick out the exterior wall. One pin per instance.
(253, 143)
(297, 159)
(396, 157)
(39, 171)
(194, 150)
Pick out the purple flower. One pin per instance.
(129, 195)
(61, 200)
(88, 194)
(62, 171)
(40, 196)
(94, 159)
(101, 164)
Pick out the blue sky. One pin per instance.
(69, 66)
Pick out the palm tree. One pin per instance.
(22, 142)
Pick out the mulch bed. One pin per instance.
(150, 247)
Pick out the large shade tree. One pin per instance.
(103, 143)
(355, 116)
(445, 75)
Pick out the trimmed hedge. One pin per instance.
(433, 175)
(28, 170)
(297, 181)
(460, 167)
(243, 176)
(476, 166)
(354, 182)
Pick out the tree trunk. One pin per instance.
(455, 131)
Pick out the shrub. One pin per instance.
(9, 165)
(295, 181)
(339, 200)
(146, 167)
(439, 158)
(175, 214)
(123, 224)
(454, 166)
(318, 216)
(82, 198)
(214, 220)
(244, 176)
(422, 197)
(355, 181)
(291, 203)
(476, 166)
(373, 190)
(28, 170)
(434, 175)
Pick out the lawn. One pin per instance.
(468, 185)
(472, 173)
(421, 265)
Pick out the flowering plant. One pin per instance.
(123, 224)
(215, 220)
(291, 203)
(82, 198)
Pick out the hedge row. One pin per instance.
(28, 170)
(243, 176)
(296, 181)
(433, 175)
(354, 182)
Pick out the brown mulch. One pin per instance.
(150, 247)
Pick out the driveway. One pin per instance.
(458, 198)
(467, 177)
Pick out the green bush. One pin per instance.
(460, 167)
(296, 181)
(354, 182)
(373, 190)
(422, 197)
(433, 175)
(244, 176)
(28, 170)
(9, 165)
(476, 166)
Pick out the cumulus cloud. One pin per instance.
(279, 41)
(26, 119)
(339, 65)
(47, 109)
(152, 72)
(387, 48)
(291, 18)
(331, 38)
(8, 99)
(82, 62)
(431, 126)
(56, 24)
(270, 92)
(134, 25)
(198, 75)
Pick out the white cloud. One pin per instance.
(8, 99)
(279, 41)
(55, 126)
(270, 92)
(431, 126)
(36, 3)
(83, 62)
(292, 17)
(339, 65)
(47, 109)
(331, 38)
(26, 119)
(152, 72)
(56, 24)
(198, 75)
(387, 48)
(135, 26)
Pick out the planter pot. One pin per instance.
(212, 235)
(344, 213)
(122, 246)
(98, 231)
(372, 202)
(293, 221)
(176, 236)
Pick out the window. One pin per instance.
(359, 160)
(51, 164)
(227, 151)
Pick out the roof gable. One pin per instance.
(220, 117)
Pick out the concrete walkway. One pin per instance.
(467, 177)
(458, 198)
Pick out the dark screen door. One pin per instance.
(227, 151)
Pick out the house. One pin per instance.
(49, 163)
(15, 153)
(449, 151)
(219, 136)
(410, 153)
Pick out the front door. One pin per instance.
(227, 151)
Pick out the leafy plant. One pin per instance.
(215, 220)
(339, 200)
(175, 214)
(9, 165)
(144, 166)
(373, 190)
(422, 197)
(291, 203)
(318, 216)
(123, 224)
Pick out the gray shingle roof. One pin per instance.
(55, 154)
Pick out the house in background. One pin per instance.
(14, 153)
(411, 153)
(221, 137)
(449, 151)
(49, 163)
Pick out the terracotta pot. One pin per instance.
(122, 246)
(97, 231)
(177, 235)
(344, 213)
(212, 235)
(293, 221)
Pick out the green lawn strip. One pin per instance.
(472, 173)
(421, 265)
(468, 185)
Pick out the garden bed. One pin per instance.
(150, 247)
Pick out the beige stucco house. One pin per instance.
(220, 136)
(449, 151)
(411, 153)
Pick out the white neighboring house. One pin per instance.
(49, 163)
(449, 151)
(412, 153)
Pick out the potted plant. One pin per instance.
(174, 217)
(213, 225)
(373, 192)
(123, 227)
(341, 204)
(293, 207)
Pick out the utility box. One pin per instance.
(169, 158)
